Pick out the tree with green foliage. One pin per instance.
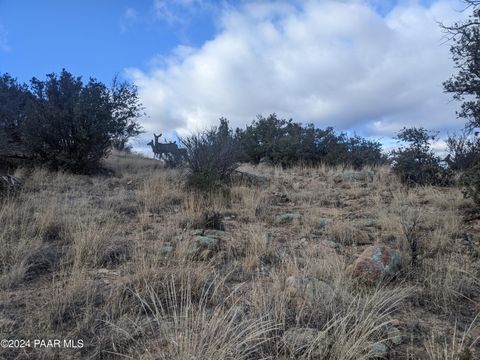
(126, 109)
(286, 143)
(72, 125)
(14, 101)
(416, 164)
(465, 86)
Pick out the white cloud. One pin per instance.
(167, 10)
(328, 62)
(4, 45)
(130, 16)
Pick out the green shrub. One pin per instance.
(212, 157)
(416, 164)
(72, 125)
(286, 143)
(470, 179)
(463, 152)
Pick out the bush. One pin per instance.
(286, 143)
(470, 179)
(464, 157)
(463, 152)
(71, 125)
(212, 157)
(416, 164)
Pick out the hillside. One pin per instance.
(136, 267)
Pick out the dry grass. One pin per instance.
(115, 260)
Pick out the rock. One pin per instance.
(166, 250)
(217, 234)
(248, 178)
(369, 222)
(265, 161)
(309, 289)
(350, 176)
(289, 218)
(9, 183)
(331, 244)
(207, 242)
(196, 232)
(377, 262)
(301, 340)
(323, 222)
(379, 350)
(204, 247)
(394, 335)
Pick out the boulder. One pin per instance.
(289, 218)
(299, 341)
(248, 178)
(377, 262)
(206, 243)
(204, 247)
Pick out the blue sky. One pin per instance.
(93, 38)
(369, 66)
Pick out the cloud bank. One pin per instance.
(333, 63)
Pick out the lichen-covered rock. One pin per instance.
(350, 176)
(204, 247)
(248, 178)
(299, 341)
(379, 350)
(323, 222)
(166, 250)
(206, 243)
(394, 335)
(217, 234)
(377, 262)
(289, 218)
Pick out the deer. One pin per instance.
(160, 149)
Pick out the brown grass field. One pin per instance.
(116, 262)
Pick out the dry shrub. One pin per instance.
(455, 348)
(96, 242)
(160, 192)
(346, 233)
(31, 238)
(448, 281)
(196, 330)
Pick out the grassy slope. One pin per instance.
(109, 260)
